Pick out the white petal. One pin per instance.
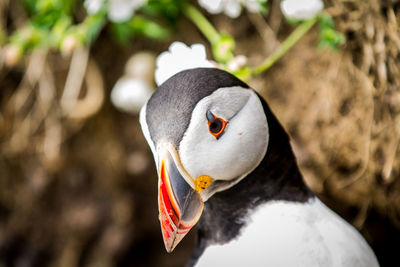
(199, 49)
(130, 94)
(232, 8)
(163, 58)
(253, 5)
(237, 63)
(93, 6)
(179, 57)
(178, 48)
(122, 10)
(301, 9)
(141, 65)
(212, 6)
(119, 10)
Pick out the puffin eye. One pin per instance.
(216, 125)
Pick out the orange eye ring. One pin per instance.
(216, 125)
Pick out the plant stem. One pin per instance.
(202, 23)
(293, 38)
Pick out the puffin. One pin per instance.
(226, 166)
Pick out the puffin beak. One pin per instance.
(179, 205)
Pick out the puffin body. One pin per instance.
(284, 233)
(225, 164)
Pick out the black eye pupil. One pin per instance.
(216, 126)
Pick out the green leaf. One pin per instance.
(93, 24)
(30, 5)
(168, 9)
(243, 74)
(59, 30)
(326, 21)
(29, 37)
(35, 7)
(122, 32)
(139, 26)
(155, 31)
(263, 6)
(329, 37)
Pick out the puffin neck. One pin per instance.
(276, 178)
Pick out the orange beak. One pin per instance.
(179, 205)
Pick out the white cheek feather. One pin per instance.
(281, 233)
(241, 147)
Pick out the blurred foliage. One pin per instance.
(155, 21)
(53, 24)
(58, 24)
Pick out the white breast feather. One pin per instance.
(282, 233)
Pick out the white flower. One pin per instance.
(136, 86)
(129, 94)
(237, 63)
(301, 9)
(93, 6)
(118, 10)
(180, 57)
(232, 8)
(121, 10)
(141, 65)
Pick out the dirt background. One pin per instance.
(79, 188)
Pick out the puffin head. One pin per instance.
(207, 131)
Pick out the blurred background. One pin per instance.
(78, 185)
